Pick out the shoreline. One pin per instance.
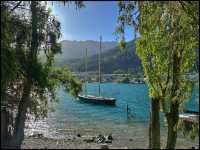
(87, 140)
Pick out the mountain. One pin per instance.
(76, 49)
(111, 60)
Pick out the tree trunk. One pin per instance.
(4, 126)
(155, 124)
(18, 136)
(172, 120)
(150, 136)
(173, 116)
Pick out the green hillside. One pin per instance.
(111, 60)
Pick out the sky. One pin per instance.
(97, 18)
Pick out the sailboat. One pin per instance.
(92, 98)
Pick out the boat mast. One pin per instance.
(86, 71)
(100, 67)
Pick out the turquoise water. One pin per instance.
(72, 113)
(71, 110)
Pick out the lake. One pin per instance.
(71, 113)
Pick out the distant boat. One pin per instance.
(91, 98)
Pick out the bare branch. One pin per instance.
(16, 6)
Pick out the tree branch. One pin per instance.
(16, 6)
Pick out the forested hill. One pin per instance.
(76, 49)
(111, 60)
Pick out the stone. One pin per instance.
(108, 141)
(130, 139)
(89, 139)
(104, 146)
(73, 138)
(110, 137)
(37, 135)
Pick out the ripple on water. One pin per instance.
(71, 115)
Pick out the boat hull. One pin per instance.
(97, 100)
